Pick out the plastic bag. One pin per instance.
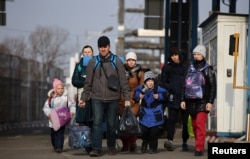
(190, 126)
(129, 125)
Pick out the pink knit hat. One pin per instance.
(56, 82)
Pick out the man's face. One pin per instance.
(104, 50)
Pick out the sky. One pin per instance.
(83, 19)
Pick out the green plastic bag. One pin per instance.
(190, 126)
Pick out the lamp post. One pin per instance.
(90, 35)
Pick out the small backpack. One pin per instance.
(194, 81)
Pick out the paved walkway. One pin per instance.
(35, 144)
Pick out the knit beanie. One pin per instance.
(131, 55)
(200, 49)
(148, 75)
(56, 82)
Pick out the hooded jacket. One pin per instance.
(58, 102)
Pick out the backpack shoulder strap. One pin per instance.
(79, 67)
(206, 66)
(50, 102)
(97, 62)
(113, 61)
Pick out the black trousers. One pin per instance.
(57, 137)
(150, 136)
(173, 115)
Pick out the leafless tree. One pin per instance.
(46, 44)
(14, 46)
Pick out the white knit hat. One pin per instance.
(148, 75)
(200, 49)
(131, 55)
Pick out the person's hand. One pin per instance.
(209, 106)
(72, 115)
(127, 103)
(156, 96)
(141, 95)
(81, 104)
(183, 105)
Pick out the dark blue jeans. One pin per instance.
(107, 110)
(57, 137)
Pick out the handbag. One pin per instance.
(60, 117)
(129, 125)
(112, 81)
(79, 136)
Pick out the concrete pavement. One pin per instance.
(35, 144)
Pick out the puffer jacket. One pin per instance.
(135, 78)
(95, 84)
(151, 110)
(194, 106)
(57, 102)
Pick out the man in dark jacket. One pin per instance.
(105, 101)
(172, 77)
(199, 108)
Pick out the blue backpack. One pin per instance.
(194, 82)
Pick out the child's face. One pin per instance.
(150, 83)
(59, 89)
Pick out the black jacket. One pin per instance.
(172, 77)
(79, 74)
(197, 105)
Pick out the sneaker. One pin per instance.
(144, 147)
(184, 147)
(198, 153)
(88, 149)
(95, 153)
(111, 151)
(169, 145)
(58, 150)
(151, 151)
(132, 147)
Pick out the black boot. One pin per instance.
(144, 147)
